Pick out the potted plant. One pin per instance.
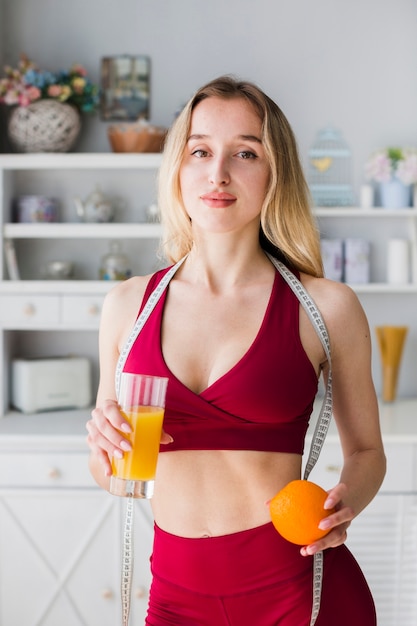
(46, 105)
(395, 171)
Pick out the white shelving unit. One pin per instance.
(43, 317)
(39, 316)
(384, 303)
(68, 307)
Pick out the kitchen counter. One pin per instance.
(398, 423)
(43, 430)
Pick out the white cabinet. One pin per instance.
(61, 536)
(383, 537)
(32, 309)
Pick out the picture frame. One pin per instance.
(125, 88)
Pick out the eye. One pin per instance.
(200, 153)
(247, 154)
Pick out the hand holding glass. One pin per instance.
(142, 403)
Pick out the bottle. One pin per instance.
(115, 265)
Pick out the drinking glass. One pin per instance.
(142, 402)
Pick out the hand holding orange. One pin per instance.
(296, 511)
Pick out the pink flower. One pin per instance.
(407, 169)
(393, 163)
(378, 168)
(33, 93)
(24, 100)
(11, 98)
(54, 91)
(78, 69)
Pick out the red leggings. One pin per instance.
(252, 578)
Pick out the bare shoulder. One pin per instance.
(126, 291)
(121, 306)
(339, 306)
(330, 295)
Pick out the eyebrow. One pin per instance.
(251, 138)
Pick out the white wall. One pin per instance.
(348, 63)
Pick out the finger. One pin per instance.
(106, 438)
(343, 515)
(166, 438)
(334, 538)
(104, 462)
(110, 413)
(335, 496)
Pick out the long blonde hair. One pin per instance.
(288, 228)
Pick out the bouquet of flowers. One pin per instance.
(400, 163)
(27, 84)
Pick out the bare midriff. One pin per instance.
(204, 493)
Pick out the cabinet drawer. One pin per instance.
(82, 311)
(28, 311)
(45, 470)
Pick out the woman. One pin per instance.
(243, 362)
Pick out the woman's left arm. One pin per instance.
(355, 410)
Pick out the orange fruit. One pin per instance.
(296, 511)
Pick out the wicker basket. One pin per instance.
(44, 126)
(136, 138)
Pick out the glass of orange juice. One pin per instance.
(141, 400)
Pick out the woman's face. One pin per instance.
(224, 174)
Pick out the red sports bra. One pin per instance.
(263, 402)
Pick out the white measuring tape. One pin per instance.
(319, 435)
(325, 415)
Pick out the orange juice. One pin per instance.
(140, 463)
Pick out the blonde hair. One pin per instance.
(288, 228)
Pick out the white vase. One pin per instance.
(394, 194)
(44, 126)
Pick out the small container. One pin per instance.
(398, 261)
(29, 209)
(357, 261)
(367, 196)
(332, 253)
(115, 265)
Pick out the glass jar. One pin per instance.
(115, 265)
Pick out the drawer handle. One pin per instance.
(94, 310)
(107, 594)
(29, 310)
(140, 593)
(54, 473)
(335, 469)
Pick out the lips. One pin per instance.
(218, 199)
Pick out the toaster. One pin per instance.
(50, 383)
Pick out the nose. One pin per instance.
(219, 172)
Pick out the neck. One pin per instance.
(221, 264)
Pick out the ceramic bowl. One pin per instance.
(59, 270)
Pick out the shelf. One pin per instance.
(92, 287)
(397, 419)
(82, 231)
(376, 212)
(398, 423)
(30, 287)
(384, 288)
(82, 161)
